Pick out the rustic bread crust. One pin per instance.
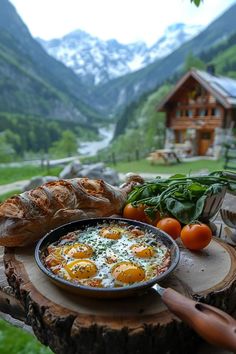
(25, 218)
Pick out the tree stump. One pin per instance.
(69, 323)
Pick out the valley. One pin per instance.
(91, 148)
(65, 109)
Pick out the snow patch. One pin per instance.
(102, 61)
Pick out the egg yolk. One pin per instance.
(111, 232)
(78, 250)
(81, 269)
(127, 272)
(142, 251)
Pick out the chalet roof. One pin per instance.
(221, 87)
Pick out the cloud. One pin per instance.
(125, 20)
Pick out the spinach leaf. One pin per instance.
(186, 212)
(181, 196)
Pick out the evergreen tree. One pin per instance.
(66, 146)
(193, 62)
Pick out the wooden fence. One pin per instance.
(129, 156)
(230, 158)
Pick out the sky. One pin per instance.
(124, 20)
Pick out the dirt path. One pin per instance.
(19, 185)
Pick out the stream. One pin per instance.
(90, 148)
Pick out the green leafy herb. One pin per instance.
(180, 196)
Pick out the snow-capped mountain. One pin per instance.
(174, 36)
(97, 61)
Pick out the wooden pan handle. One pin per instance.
(212, 324)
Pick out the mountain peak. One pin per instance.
(175, 26)
(97, 61)
(77, 34)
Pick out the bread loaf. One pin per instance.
(27, 217)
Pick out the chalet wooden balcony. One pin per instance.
(197, 122)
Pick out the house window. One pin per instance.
(178, 113)
(218, 113)
(215, 112)
(203, 112)
(189, 113)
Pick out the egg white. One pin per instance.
(109, 252)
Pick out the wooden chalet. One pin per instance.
(201, 109)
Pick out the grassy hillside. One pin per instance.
(225, 63)
(223, 56)
(32, 82)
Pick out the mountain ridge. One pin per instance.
(97, 61)
(32, 82)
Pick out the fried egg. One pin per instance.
(111, 232)
(142, 250)
(127, 272)
(81, 269)
(78, 250)
(109, 254)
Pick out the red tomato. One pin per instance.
(171, 226)
(196, 236)
(135, 213)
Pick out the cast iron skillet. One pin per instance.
(130, 290)
(214, 325)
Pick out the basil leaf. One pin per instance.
(185, 212)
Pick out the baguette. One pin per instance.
(26, 217)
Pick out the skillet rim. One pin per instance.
(174, 248)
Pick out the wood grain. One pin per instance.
(73, 324)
